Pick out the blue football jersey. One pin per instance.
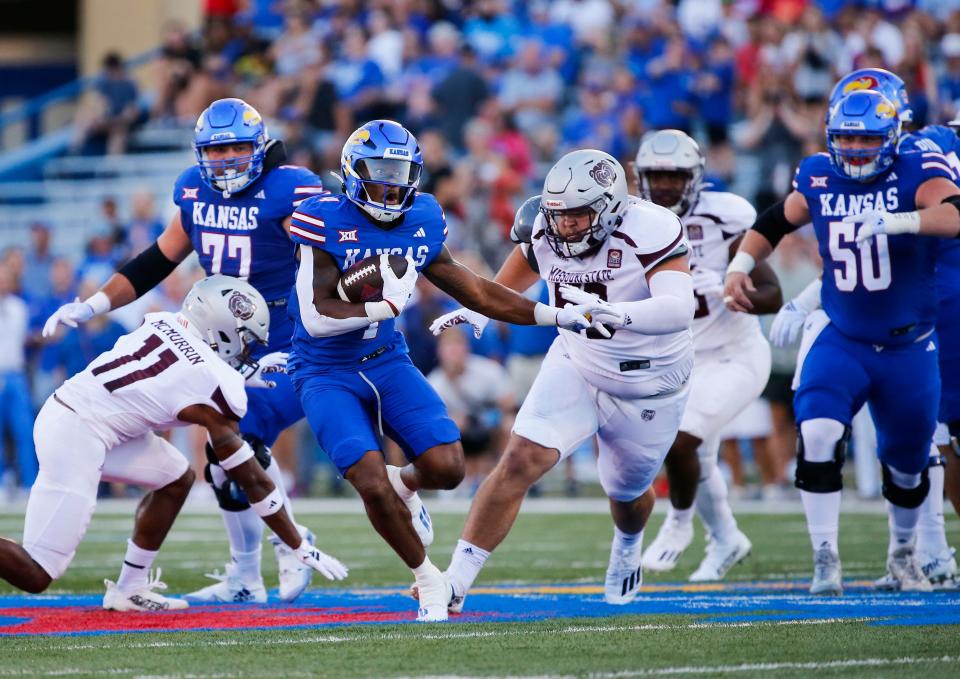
(884, 291)
(941, 139)
(336, 226)
(243, 235)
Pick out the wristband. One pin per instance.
(741, 263)
(237, 458)
(909, 220)
(544, 314)
(99, 302)
(269, 505)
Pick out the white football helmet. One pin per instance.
(586, 180)
(670, 151)
(230, 316)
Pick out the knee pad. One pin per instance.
(910, 498)
(230, 496)
(822, 477)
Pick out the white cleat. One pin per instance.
(624, 576)
(721, 557)
(902, 566)
(455, 605)
(665, 550)
(295, 576)
(144, 600)
(827, 575)
(229, 589)
(940, 569)
(434, 595)
(418, 512)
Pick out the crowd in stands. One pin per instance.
(496, 90)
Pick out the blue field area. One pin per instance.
(714, 604)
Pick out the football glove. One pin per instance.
(70, 314)
(706, 282)
(460, 316)
(271, 364)
(600, 311)
(876, 222)
(397, 290)
(325, 564)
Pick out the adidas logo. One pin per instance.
(420, 233)
(468, 550)
(630, 582)
(892, 177)
(931, 346)
(261, 195)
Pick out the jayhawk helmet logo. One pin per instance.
(241, 306)
(885, 110)
(867, 82)
(251, 117)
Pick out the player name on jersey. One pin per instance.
(179, 342)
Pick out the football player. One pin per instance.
(628, 386)
(867, 203)
(175, 369)
(348, 362)
(936, 557)
(732, 356)
(235, 206)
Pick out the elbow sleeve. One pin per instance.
(146, 270)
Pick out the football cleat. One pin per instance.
(434, 595)
(665, 550)
(295, 576)
(721, 557)
(229, 589)
(940, 569)
(145, 599)
(827, 576)
(903, 567)
(455, 605)
(624, 575)
(418, 511)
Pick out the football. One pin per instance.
(362, 282)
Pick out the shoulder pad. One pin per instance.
(523, 221)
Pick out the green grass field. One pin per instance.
(543, 548)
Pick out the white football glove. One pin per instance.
(254, 374)
(588, 304)
(460, 316)
(325, 564)
(397, 291)
(876, 222)
(706, 282)
(787, 324)
(70, 314)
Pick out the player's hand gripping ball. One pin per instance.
(363, 282)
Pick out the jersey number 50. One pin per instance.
(869, 262)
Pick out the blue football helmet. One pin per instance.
(381, 166)
(863, 113)
(230, 121)
(886, 83)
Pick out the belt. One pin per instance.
(60, 401)
(277, 302)
(379, 352)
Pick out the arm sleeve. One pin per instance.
(669, 309)
(313, 322)
(773, 225)
(146, 270)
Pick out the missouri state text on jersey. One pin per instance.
(882, 292)
(336, 226)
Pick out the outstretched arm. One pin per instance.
(767, 297)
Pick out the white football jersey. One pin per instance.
(628, 364)
(716, 220)
(148, 377)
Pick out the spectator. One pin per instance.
(479, 399)
(16, 411)
(530, 90)
(714, 87)
(37, 262)
(591, 20)
(179, 59)
(810, 52)
(949, 82)
(110, 111)
(491, 31)
(358, 79)
(144, 227)
(60, 290)
(669, 104)
(459, 95)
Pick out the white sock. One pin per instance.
(424, 571)
(465, 565)
(396, 480)
(248, 564)
(136, 563)
(626, 541)
(903, 525)
(823, 518)
(245, 528)
(713, 508)
(276, 474)
(931, 528)
(680, 517)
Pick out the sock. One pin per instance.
(424, 570)
(626, 544)
(465, 565)
(713, 508)
(248, 564)
(681, 517)
(931, 528)
(136, 563)
(823, 518)
(903, 526)
(276, 474)
(244, 529)
(396, 480)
